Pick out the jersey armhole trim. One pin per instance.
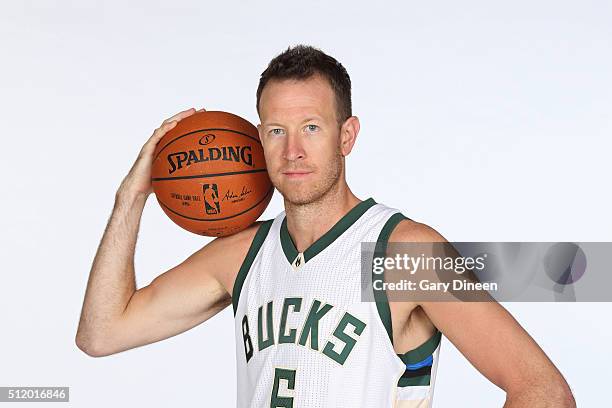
(258, 240)
(380, 297)
(422, 352)
(419, 362)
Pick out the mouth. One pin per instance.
(296, 174)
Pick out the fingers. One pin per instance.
(180, 115)
(183, 114)
(162, 130)
(172, 121)
(166, 126)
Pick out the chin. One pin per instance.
(303, 195)
(300, 196)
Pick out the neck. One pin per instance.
(308, 222)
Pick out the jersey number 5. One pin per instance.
(278, 400)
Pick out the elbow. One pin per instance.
(557, 393)
(561, 396)
(90, 347)
(565, 396)
(560, 392)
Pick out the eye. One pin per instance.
(312, 128)
(274, 131)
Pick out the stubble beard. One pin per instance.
(310, 193)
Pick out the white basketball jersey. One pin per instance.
(305, 338)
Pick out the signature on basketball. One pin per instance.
(232, 196)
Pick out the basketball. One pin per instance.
(209, 174)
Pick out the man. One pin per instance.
(305, 338)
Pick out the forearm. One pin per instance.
(112, 279)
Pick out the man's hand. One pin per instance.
(138, 180)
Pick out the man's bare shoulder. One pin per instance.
(412, 231)
(241, 239)
(223, 256)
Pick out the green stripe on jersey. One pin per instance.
(380, 297)
(423, 351)
(258, 240)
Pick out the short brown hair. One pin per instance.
(304, 61)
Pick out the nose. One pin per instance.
(294, 150)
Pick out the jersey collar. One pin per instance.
(326, 239)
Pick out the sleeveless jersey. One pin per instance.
(305, 338)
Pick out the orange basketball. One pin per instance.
(209, 174)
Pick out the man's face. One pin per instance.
(301, 137)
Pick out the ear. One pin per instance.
(259, 131)
(348, 134)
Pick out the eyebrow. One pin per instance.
(304, 121)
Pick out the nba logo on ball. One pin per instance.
(211, 199)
